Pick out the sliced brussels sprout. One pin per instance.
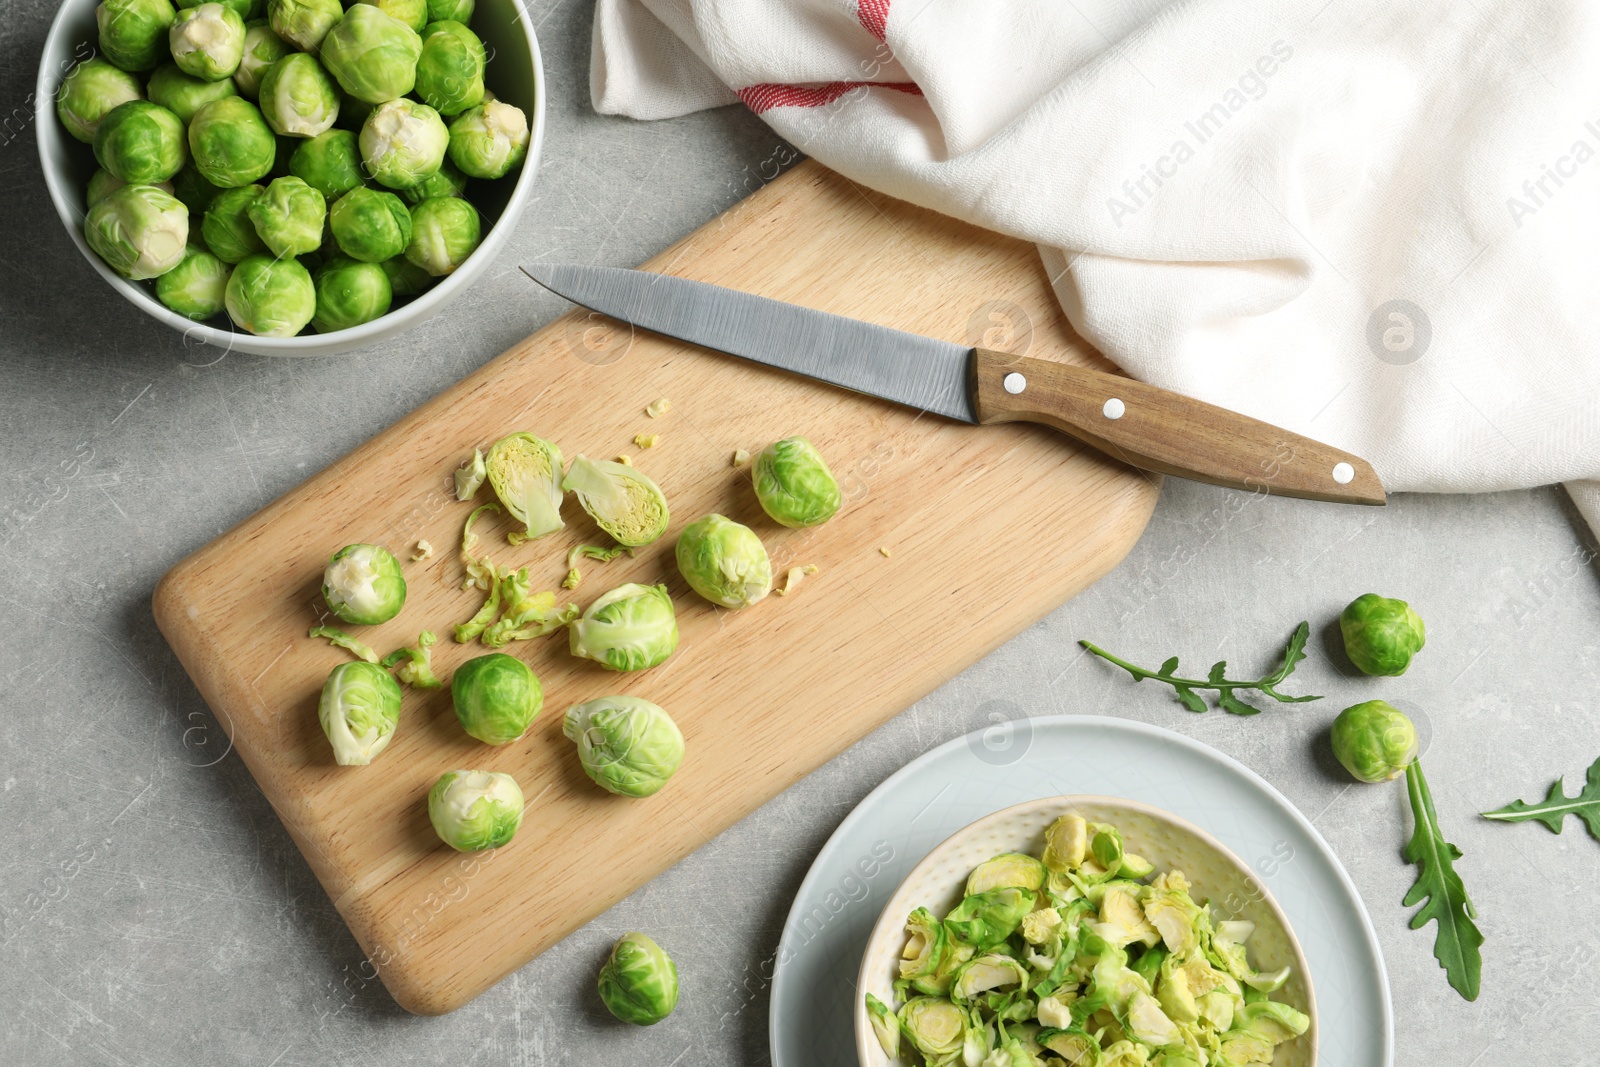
(196, 287)
(1105, 844)
(444, 232)
(414, 13)
(1374, 740)
(1148, 1023)
(133, 33)
(924, 952)
(475, 810)
(373, 56)
(1077, 1047)
(363, 584)
(349, 293)
(297, 97)
(1240, 1048)
(416, 664)
(227, 228)
(724, 561)
(627, 745)
(207, 41)
(488, 140)
(982, 974)
(140, 231)
(371, 225)
(288, 216)
(936, 1028)
(496, 697)
(1007, 869)
(1122, 919)
(90, 91)
(450, 69)
(231, 143)
(304, 23)
(1381, 635)
(1216, 1009)
(794, 484)
(1148, 965)
(885, 1025)
(525, 473)
(984, 920)
(631, 628)
(639, 982)
(470, 476)
(1271, 1021)
(623, 502)
(1066, 843)
(262, 48)
(140, 142)
(526, 614)
(1041, 927)
(359, 710)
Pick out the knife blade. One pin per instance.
(1140, 424)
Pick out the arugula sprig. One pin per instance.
(1185, 689)
(1441, 892)
(1556, 806)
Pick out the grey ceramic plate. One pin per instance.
(900, 822)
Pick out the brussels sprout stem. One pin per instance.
(1225, 689)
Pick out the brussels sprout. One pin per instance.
(447, 181)
(227, 228)
(262, 48)
(373, 56)
(183, 94)
(454, 10)
(297, 97)
(1374, 741)
(1381, 635)
(925, 945)
(271, 297)
(195, 287)
(885, 1026)
(362, 583)
(630, 628)
(1006, 870)
(330, 163)
(403, 142)
(724, 562)
(936, 1028)
(208, 41)
(405, 277)
(304, 23)
(370, 224)
(794, 485)
(496, 697)
(525, 473)
(359, 710)
(639, 982)
(983, 920)
(1105, 844)
(139, 230)
(245, 9)
(488, 140)
(289, 215)
(102, 183)
(622, 501)
(231, 143)
(1066, 843)
(350, 293)
(140, 142)
(450, 70)
(133, 33)
(444, 232)
(987, 973)
(413, 13)
(89, 92)
(627, 745)
(475, 810)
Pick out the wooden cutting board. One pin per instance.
(987, 530)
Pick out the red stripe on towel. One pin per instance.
(765, 97)
(874, 15)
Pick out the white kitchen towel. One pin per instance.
(1374, 223)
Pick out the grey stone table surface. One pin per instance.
(154, 911)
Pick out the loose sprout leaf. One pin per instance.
(577, 552)
(526, 614)
(658, 407)
(424, 551)
(416, 664)
(345, 641)
(480, 571)
(1441, 892)
(646, 440)
(470, 476)
(1552, 811)
(1185, 689)
(792, 580)
(469, 630)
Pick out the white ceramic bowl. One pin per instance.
(515, 74)
(1167, 841)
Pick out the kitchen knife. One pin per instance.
(1137, 423)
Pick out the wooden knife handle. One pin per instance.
(1157, 430)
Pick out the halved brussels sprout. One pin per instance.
(525, 473)
(289, 217)
(627, 745)
(227, 228)
(373, 56)
(623, 501)
(89, 92)
(231, 143)
(444, 232)
(450, 69)
(885, 1026)
(496, 697)
(371, 225)
(414, 13)
(724, 562)
(1007, 869)
(639, 982)
(447, 181)
(475, 810)
(139, 230)
(1066, 843)
(297, 97)
(207, 41)
(403, 142)
(363, 583)
(924, 952)
(195, 288)
(184, 94)
(794, 484)
(631, 628)
(1375, 741)
(304, 23)
(349, 293)
(405, 277)
(989, 972)
(262, 48)
(937, 1028)
(488, 140)
(133, 33)
(359, 710)
(1380, 634)
(140, 142)
(330, 163)
(1105, 844)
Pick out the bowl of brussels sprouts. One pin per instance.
(290, 177)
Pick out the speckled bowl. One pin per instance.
(1167, 841)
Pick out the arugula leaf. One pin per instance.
(1216, 681)
(1440, 890)
(1556, 806)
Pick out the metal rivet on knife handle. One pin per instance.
(1014, 383)
(1114, 409)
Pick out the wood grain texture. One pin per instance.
(763, 696)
